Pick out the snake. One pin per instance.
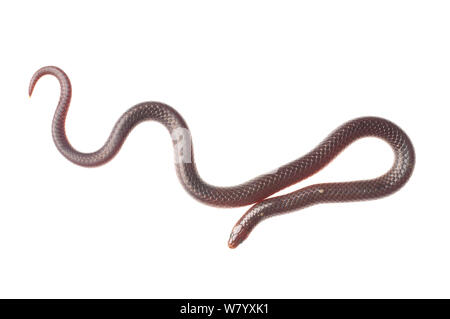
(257, 191)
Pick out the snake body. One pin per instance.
(257, 190)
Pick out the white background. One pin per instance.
(260, 84)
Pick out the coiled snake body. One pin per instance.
(258, 189)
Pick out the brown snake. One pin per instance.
(257, 190)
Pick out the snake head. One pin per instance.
(237, 236)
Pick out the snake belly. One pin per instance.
(257, 190)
